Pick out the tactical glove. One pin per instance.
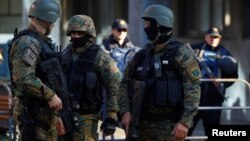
(108, 126)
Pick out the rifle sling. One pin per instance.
(208, 70)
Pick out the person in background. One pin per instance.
(120, 48)
(160, 90)
(88, 69)
(37, 106)
(219, 61)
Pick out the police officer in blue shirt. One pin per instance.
(120, 48)
(222, 64)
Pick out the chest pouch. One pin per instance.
(169, 89)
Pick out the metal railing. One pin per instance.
(221, 107)
(199, 108)
(226, 80)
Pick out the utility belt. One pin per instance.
(90, 109)
(172, 115)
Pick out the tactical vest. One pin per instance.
(164, 86)
(83, 81)
(47, 51)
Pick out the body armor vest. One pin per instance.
(83, 81)
(163, 82)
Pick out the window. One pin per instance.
(246, 19)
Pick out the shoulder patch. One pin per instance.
(194, 71)
(30, 56)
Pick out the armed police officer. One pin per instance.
(161, 82)
(120, 48)
(88, 69)
(215, 62)
(37, 104)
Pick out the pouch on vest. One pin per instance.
(77, 89)
(174, 92)
(161, 93)
(91, 79)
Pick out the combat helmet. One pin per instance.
(81, 23)
(162, 14)
(47, 10)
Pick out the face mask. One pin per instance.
(164, 38)
(152, 31)
(79, 42)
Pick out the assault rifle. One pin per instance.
(208, 71)
(133, 132)
(57, 83)
(139, 90)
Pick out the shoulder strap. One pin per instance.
(201, 53)
(147, 55)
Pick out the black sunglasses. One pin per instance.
(124, 30)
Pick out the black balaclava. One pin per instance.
(165, 34)
(157, 33)
(81, 42)
(152, 30)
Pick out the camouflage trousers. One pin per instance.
(87, 130)
(156, 130)
(37, 131)
(29, 133)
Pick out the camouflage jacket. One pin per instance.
(189, 71)
(24, 69)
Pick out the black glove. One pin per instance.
(108, 126)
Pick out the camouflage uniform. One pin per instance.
(172, 73)
(36, 121)
(27, 84)
(105, 69)
(190, 72)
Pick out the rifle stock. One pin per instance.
(57, 83)
(133, 132)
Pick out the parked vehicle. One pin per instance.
(7, 126)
